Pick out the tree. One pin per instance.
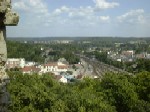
(113, 93)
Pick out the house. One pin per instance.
(141, 55)
(69, 77)
(63, 61)
(61, 79)
(95, 77)
(148, 56)
(50, 67)
(54, 67)
(30, 63)
(15, 63)
(128, 53)
(30, 70)
(79, 76)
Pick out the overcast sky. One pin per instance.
(46, 18)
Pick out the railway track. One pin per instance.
(100, 68)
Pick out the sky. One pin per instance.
(81, 18)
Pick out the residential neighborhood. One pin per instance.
(61, 69)
(127, 56)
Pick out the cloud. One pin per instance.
(32, 12)
(20, 5)
(37, 15)
(61, 10)
(80, 12)
(30, 6)
(105, 18)
(80, 15)
(103, 4)
(38, 12)
(86, 11)
(83, 11)
(133, 16)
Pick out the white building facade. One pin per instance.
(53, 67)
(15, 63)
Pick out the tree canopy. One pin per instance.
(112, 93)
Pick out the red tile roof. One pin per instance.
(30, 69)
(51, 64)
(79, 76)
(62, 67)
(58, 77)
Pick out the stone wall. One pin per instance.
(7, 18)
(4, 95)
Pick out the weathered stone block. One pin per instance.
(4, 4)
(11, 18)
(3, 52)
(7, 18)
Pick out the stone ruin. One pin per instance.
(7, 18)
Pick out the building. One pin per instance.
(30, 63)
(30, 70)
(53, 67)
(129, 53)
(15, 63)
(63, 61)
(61, 79)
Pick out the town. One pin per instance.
(91, 59)
(74, 56)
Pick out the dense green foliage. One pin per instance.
(30, 52)
(33, 52)
(137, 66)
(71, 58)
(113, 93)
